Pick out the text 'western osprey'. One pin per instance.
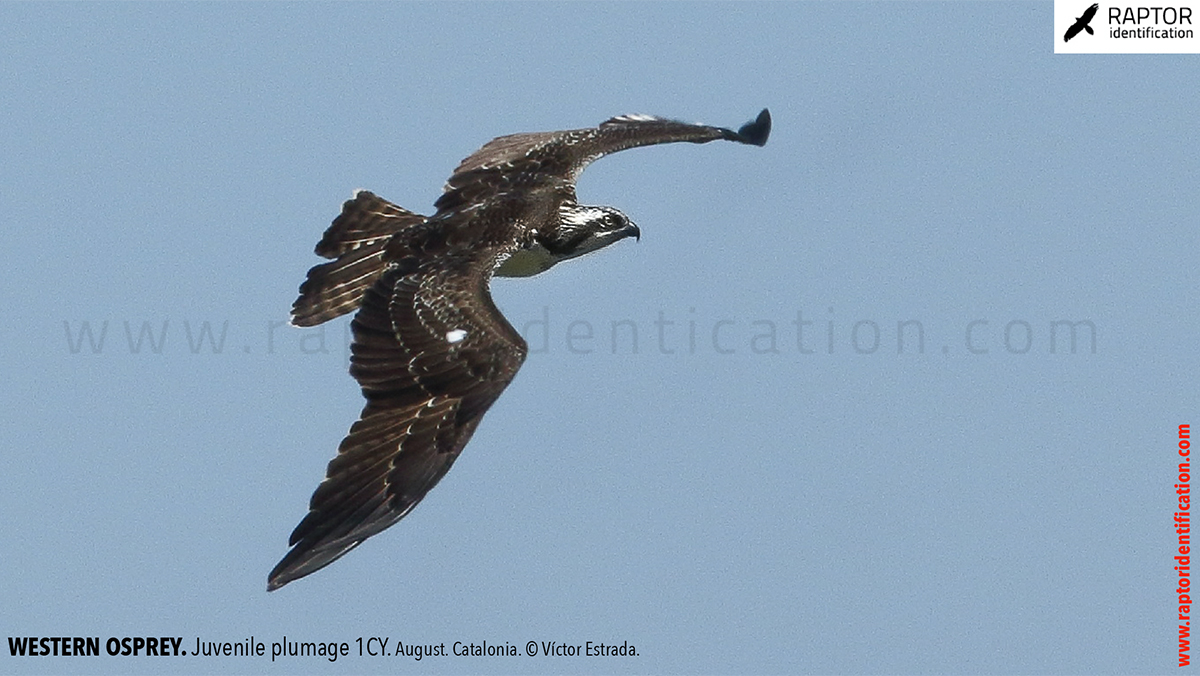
(430, 349)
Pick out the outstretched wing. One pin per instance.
(432, 354)
(355, 240)
(555, 159)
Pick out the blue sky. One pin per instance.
(984, 501)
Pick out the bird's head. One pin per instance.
(584, 229)
(580, 230)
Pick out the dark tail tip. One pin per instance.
(755, 133)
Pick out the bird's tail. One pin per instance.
(356, 241)
(1089, 30)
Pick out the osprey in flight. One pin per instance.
(430, 349)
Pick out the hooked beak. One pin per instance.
(632, 230)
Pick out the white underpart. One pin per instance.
(455, 336)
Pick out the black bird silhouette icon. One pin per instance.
(1081, 24)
